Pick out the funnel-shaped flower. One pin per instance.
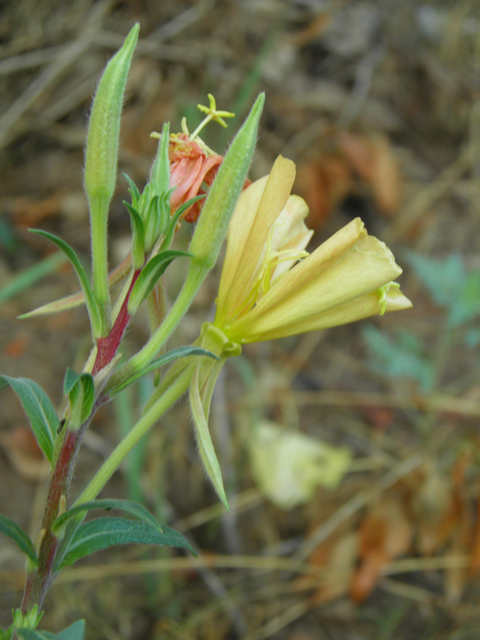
(266, 293)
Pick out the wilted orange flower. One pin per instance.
(190, 167)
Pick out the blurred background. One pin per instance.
(350, 456)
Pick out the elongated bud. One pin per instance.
(101, 163)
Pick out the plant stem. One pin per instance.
(146, 422)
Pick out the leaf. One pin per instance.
(39, 409)
(204, 439)
(92, 306)
(75, 631)
(149, 276)
(174, 354)
(18, 535)
(80, 389)
(129, 506)
(106, 532)
(77, 299)
(138, 236)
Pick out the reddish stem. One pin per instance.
(107, 347)
(39, 580)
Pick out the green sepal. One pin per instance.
(204, 440)
(39, 409)
(166, 358)
(160, 173)
(18, 535)
(149, 276)
(92, 306)
(138, 237)
(106, 532)
(170, 233)
(133, 190)
(152, 222)
(129, 506)
(80, 389)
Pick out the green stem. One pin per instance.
(99, 207)
(146, 422)
(163, 333)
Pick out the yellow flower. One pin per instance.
(271, 287)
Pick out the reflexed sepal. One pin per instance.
(138, 236)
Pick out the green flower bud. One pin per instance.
(101, 163)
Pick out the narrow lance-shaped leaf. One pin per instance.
(39, 409)
(77, 299)
(106, 532)
(80, 389)
(205, 444)
(18, 535)
(149, 276)
(129, 506)
(92, 306)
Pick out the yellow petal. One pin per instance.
(290, 232)
(257, 209)
(348, 266)
(358, 309)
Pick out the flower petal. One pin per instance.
(351, 311)
(257, 209)
(348, 266)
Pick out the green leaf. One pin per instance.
(18, 535)
(80, 389)
(149, 276)
(138, 236)
(92, 306)
(106, 532)
(75, 631)
(39, 409)
(204, 440)
(129, 506)
(170, 356)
